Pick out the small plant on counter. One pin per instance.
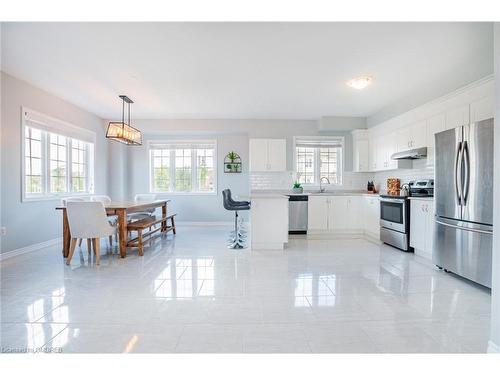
(297, 188)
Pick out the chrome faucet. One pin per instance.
(321, 188)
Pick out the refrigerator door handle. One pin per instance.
(466, 180)
(458, 174)
(465, 228)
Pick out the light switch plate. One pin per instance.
(3, 231)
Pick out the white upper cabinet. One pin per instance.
(435, 124)
(267, 155)
(276, 151)
(373, 149)
(381, 149)
(360, 151)
(482, 109)
(412, 136)
(457, 117)
(403, 137)
(419, 134)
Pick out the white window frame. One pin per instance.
(317, 169)
(52, 125)
(194, 169)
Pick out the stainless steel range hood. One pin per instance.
(416, 153)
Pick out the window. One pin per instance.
(58, 158)
(183, 167)
(317, 158)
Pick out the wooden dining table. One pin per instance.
(121, 209)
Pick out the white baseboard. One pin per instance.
(205, 223)
(30, 248)
(492, 347)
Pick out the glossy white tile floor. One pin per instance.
(191, 294)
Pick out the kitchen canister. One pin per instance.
(393, 186)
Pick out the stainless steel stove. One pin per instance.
(395, 214)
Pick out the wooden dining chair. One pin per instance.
(88, 220)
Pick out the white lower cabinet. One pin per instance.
(318, 212)
(371, 217)
(422, 226)
(343, 215)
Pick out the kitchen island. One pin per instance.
(269, 221)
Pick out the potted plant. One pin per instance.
(297, 188)
(232, 156)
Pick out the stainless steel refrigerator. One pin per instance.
(463, 229)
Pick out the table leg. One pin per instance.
(122, 232)
(66, 235)
(164, 216)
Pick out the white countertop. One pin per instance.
(268, 196)
(259, 194)
(421, 198)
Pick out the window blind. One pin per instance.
(202, 144)
(318, 143)
(43, 122)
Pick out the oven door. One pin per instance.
(393, 214)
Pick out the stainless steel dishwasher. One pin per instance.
(297, 214)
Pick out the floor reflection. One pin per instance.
(186, 278)
(315, 290)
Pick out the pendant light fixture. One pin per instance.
(122, 131)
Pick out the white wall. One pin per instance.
(495, 290)
(231, 135)
(193, 208)
(30, 223)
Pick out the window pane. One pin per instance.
(205, 168)
(305, 165)
(33, 161)
(183, 170)
(330, 164)
(57, 163)
(79, 166)
(161, 170)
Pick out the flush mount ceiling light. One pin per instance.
(122, 131)
(360, 83)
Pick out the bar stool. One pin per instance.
(238, 238)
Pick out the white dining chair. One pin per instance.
(141, 198)
(64, 201)
(104, 199)
(113, 219)
(88, 220)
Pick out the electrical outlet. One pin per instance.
(3, 231)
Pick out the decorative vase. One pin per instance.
(299, 190)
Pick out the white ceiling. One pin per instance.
(245, 70)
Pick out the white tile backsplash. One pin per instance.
(284, 181)
(419, 171)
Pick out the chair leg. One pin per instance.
(97, 249)
(72, 246)
(172, 221)
(80, 242)
(89, 246)
(110, 241)
(139, 242)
